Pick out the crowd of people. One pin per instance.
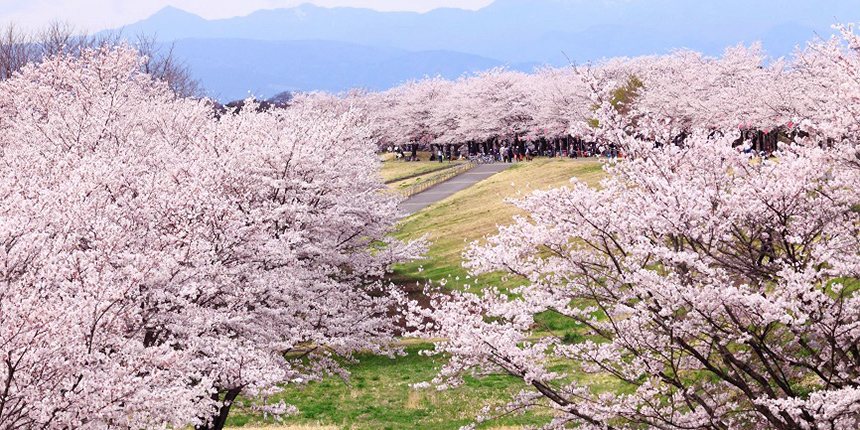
(509, 152)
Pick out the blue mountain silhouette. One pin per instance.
(309, 47)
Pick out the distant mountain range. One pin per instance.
(231, 68)
(309, 47)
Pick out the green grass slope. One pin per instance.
(378, 395)
(452, 224)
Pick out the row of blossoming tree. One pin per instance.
(711, 291)
(156, 261)
(741, 94)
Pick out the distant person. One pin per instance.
(440, 155)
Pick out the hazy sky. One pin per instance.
(94, 15)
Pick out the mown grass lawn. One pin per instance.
(378, 397)
(393, 169)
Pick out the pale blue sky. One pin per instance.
(95, 15)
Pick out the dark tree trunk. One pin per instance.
(219, 420)
(739, 141)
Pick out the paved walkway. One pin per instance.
(451, 186)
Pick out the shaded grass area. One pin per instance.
(378, 397)
(393, 170)
(414, 180)
(421, 178)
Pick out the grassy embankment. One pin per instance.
(378, 395)
(471, 214)
(452, 224)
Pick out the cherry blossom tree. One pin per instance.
(411, 117)
(714, 291)
(18, 47)
(563, 101)
(158, 262)
(826, 87)
(717, 292)
(497, 102)
(741, 93)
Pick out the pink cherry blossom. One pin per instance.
(157, 261)
(713, 290)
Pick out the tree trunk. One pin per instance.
(220, 419)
